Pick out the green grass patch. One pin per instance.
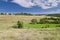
(40, 25)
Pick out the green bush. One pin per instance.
(34, 21)
(58, 26)
(19, 24)
(51, 20)
(44, 21)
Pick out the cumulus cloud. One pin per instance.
(44, 4)
(24, 3)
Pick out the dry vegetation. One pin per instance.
(30, 34)
(14, 18)
(6, 21)
(8, 33)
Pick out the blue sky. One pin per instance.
(30, 6)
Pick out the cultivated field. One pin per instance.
(9, 33)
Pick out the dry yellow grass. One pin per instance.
(14, 18)
(8, 33)
(6, 21)
(30, 34)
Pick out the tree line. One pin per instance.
(50, 20)
(16, 14)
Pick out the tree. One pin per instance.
(2, 13)
(9, 14)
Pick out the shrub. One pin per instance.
(50, 21)
(34, 21)
(44, 21)
(58, 26)
(19, 24)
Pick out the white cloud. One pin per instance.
(44, 4)
(24, 3)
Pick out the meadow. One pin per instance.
(7, 21)
(40, 25)
(29, 31)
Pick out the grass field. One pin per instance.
(40, 25)
(29, 32)
(6, 21)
